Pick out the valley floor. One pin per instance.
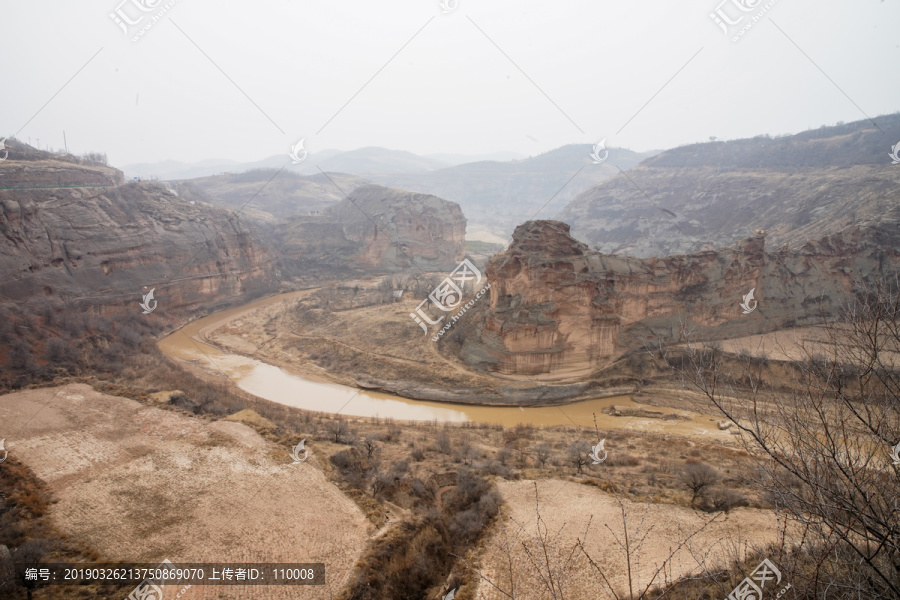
(141, 483)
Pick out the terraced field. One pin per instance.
(142, 484)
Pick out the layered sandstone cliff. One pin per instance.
(74, 235)
(559, 310)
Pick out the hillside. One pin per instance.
(268, 195)
(709, 195)
(374, 228)
(501, 195)
(75, 235)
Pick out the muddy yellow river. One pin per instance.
(279, 385)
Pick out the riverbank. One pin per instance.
(250, 346)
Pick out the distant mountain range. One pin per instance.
(495, 196)
(709, 195)
(356, 162)
(501, 195)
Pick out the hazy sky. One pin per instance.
(246, 80)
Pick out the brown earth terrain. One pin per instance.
(570, 511)
(141, 484)
(376, 345)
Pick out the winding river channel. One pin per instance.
(279, 385)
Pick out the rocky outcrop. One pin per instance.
(559, 309)
(379, 228)
(74, 235)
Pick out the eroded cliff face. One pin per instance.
(380, 228)
(560, 310)
(76, 236)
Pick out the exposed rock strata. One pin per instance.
(75, 235)
(561, 310)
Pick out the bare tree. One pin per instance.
(338, 430)
(630, 542)
(823, 446)
(577, 454)
(370, 446)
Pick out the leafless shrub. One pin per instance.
(60, 352)
(370, 445)
(444, 443)
(542, 453)
(723, 499)
(697, 477)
